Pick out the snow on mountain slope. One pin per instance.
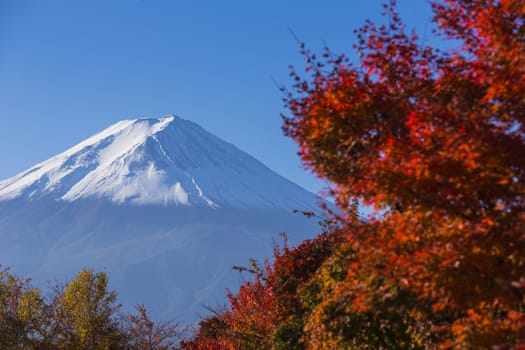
(168, 161)
(162, 205)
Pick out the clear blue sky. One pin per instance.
(71, 68)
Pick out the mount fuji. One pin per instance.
(163, 206)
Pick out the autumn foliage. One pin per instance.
(435, 142)
(266, 312)
(81, 314)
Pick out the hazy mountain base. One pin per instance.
(172, 259)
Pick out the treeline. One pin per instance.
(82, 314)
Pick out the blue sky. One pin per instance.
(69, 69)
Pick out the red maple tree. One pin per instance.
(436, 140)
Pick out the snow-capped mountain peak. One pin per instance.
(161, 204)
(166, 161)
